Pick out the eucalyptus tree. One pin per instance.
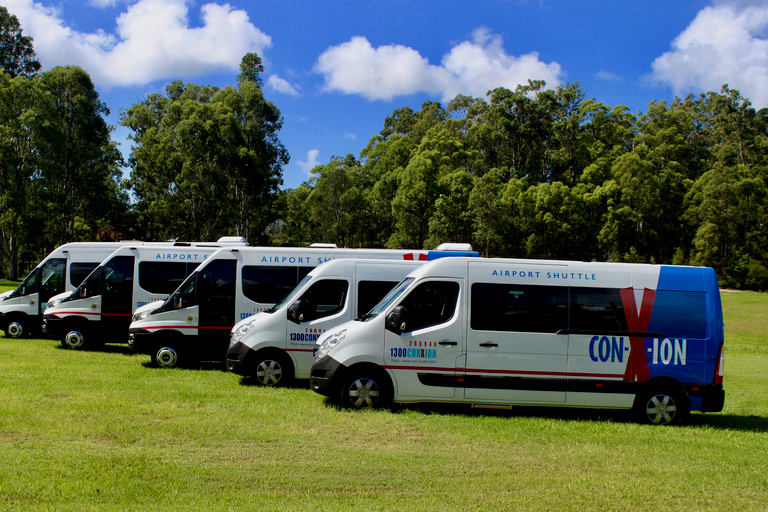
(206, 162)
(80, 176)
(17, 52)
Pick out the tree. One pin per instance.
(17, 53)
(19, 124)
(80, 178)
(206, 161)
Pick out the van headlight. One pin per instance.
(140, 316)
(53, 303)
(241, 331)
(330, 342)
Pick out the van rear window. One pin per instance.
(267, 284)
(679, 314)
(597, 310)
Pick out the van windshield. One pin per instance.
(289, 298)
(388, 299)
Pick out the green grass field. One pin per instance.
(105, 431)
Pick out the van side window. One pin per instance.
(267, 284)
(324, 298)
(431, 303)
(518, 308)
(163, 277)
(597, 310)
(369, 293)
(79, 271)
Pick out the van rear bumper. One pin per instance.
(712, 396)
(321, 379)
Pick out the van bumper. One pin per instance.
(53, 326)
(140, 341)
(712, 396)
(236, 355)
(321, 379)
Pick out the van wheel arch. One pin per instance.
(364, 386)
(662, 401)
(271, 367)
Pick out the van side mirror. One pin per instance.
(83, 292)
(177, 302)
(396, 320)
(296, 311)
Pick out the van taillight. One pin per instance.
(720, 367)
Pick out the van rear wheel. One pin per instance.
(662, 407)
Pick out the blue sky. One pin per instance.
(336, 69)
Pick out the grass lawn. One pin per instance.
(105, 431)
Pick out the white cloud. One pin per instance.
(281, 85)
(153, 41)
(471, 67)
(608, 76)
(724, 44)
(311, 162)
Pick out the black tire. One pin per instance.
(75, 338)
(366, 388)
(17, 328)
(662, 406)
(272, 368)
(166, 357)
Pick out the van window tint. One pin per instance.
(679, 314)
(324, 298)
(79, 271)
(268, 284)
(430, 303)
(518, 308)
(597, 310)
(369, 293)
(163, 277)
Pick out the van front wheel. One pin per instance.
(273, 369)
(165, 357)
(74, 339)
(366, 389)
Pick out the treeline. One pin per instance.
(529, 173)
(537, 173)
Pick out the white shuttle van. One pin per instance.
(99, 310)
(497, 333)
(21, 310)
(276, 346)
(234, 284)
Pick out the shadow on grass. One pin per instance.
(295, 384)
(720, 421)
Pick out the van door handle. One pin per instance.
(489, 344)
(447, 343)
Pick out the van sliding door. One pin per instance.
(514, 353)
